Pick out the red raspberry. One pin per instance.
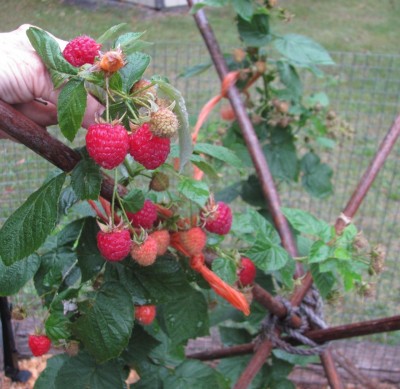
(39, 344)
(163, 239)
(145, 253)
(149, 150)
(145, 314)
(190, 242)
(145, 217)
(114, 245)
(81, 50)
(247, 271)
(107, 144)
(219, 220)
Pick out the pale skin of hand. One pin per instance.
(24, 79)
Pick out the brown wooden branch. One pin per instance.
(268, 188)
(36, 138)
(345, 331)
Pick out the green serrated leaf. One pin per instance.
(71, 107)
(196, 70)
(47, 378)
(185, 139)
(67, 199)
(14, 277)
(319, 252)
(194, 190)
(49, 51)
(90, 261)
(129, 42)
(306, 223)
(28, 227)
(302, 51)
(86, 179)
(225, 269)
(57, 269)
(111, 33)
(83, 371)
(219, 152)
(281, 156)
(244, 8)
(136, 64)
(323, 281)
(317, 176)
(185, 318)
(57, 326)
(267, 256)
(161, 282)
(106, 321)
(290, 78)
(204, 166)
(133, 201)
(255, 33)
(140, 345)
(195, 374)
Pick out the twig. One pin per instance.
(41, 142)
(268, 188)
(345, 331)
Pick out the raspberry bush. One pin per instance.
(126, 281)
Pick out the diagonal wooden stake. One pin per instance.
(270, 193)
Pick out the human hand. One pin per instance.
(26, 84)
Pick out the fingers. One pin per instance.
(42, 113)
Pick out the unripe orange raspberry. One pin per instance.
(143, 87)
(112, 61)
(145, 253)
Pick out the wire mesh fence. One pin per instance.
(364, 89)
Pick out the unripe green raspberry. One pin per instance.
(164, 123)
(159, 182)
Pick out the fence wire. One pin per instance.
(364, 89)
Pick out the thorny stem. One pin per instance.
(113, 196)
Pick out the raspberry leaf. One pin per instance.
(306, 223)
(71, 107)
(111, 33)
(47, 378)
(133, 201)
(185, 139)
(83, 371)
(106, 321)
(302, 51)
(316, 178)
(57, 268)
(324, 281)
(49, 51)
(136, 65)
(57, 326)
(195, 374)
(129, 42)
(14, 277)
(197, 191)
(90, 260)
(185, 318)
(28, 227)
(225, 269)
(219, 152)
(86, 179)
(161, 282)
(140, 344)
